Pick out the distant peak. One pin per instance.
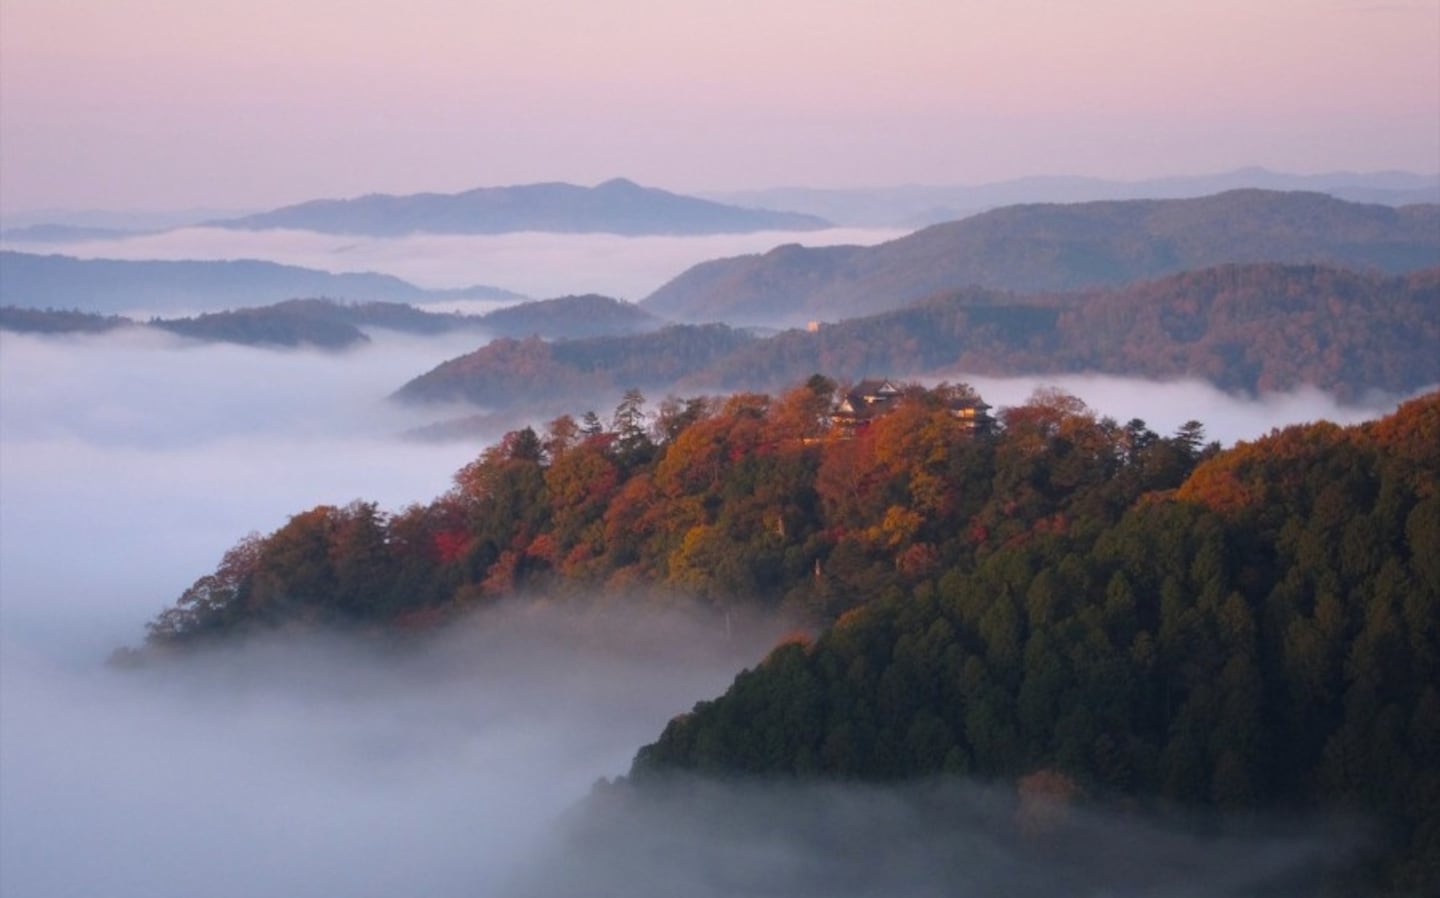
(619, 184)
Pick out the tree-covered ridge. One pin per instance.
(509, 371)
(1265, 636)
(1254, 328)
(59, 321)
(751, 498)
(316, 323)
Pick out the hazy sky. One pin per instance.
(247, 103)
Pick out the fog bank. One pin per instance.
(945, 837)
(129, 463)
(320, 766)
(1166, 405)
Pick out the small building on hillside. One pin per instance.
(973, 412)
(872, 398)
(862, 403)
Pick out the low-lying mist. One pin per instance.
(335, 766)
(539, 265)
(945, 837)
(298, 766)
(1166, 405)
(129, 463)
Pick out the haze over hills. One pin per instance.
(615, 207)
(921, 205)
(1251, 328)
(109, 286)
(1051, 247)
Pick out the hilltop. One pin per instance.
(615, 207)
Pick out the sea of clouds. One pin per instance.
(538, 265)
(130, 463)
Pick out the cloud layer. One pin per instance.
(322, 767)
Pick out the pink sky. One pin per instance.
(251, 103)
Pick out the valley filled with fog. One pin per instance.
(538, 265)
(297, 767)
(967, 539)
(129, 464)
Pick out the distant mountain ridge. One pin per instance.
(615, 207)
(1253, 328)
(921, 205)
(110, 285)
(60, 233)
(327, 324)
(1053, 247)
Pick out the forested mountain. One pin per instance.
(614, 207)
(110, 286)
(289, 324)
(1126, 615)
(1035, 248)
(1250, 328)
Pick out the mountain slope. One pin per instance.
(1038, 248)
(614, 207)
(1266, 637)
